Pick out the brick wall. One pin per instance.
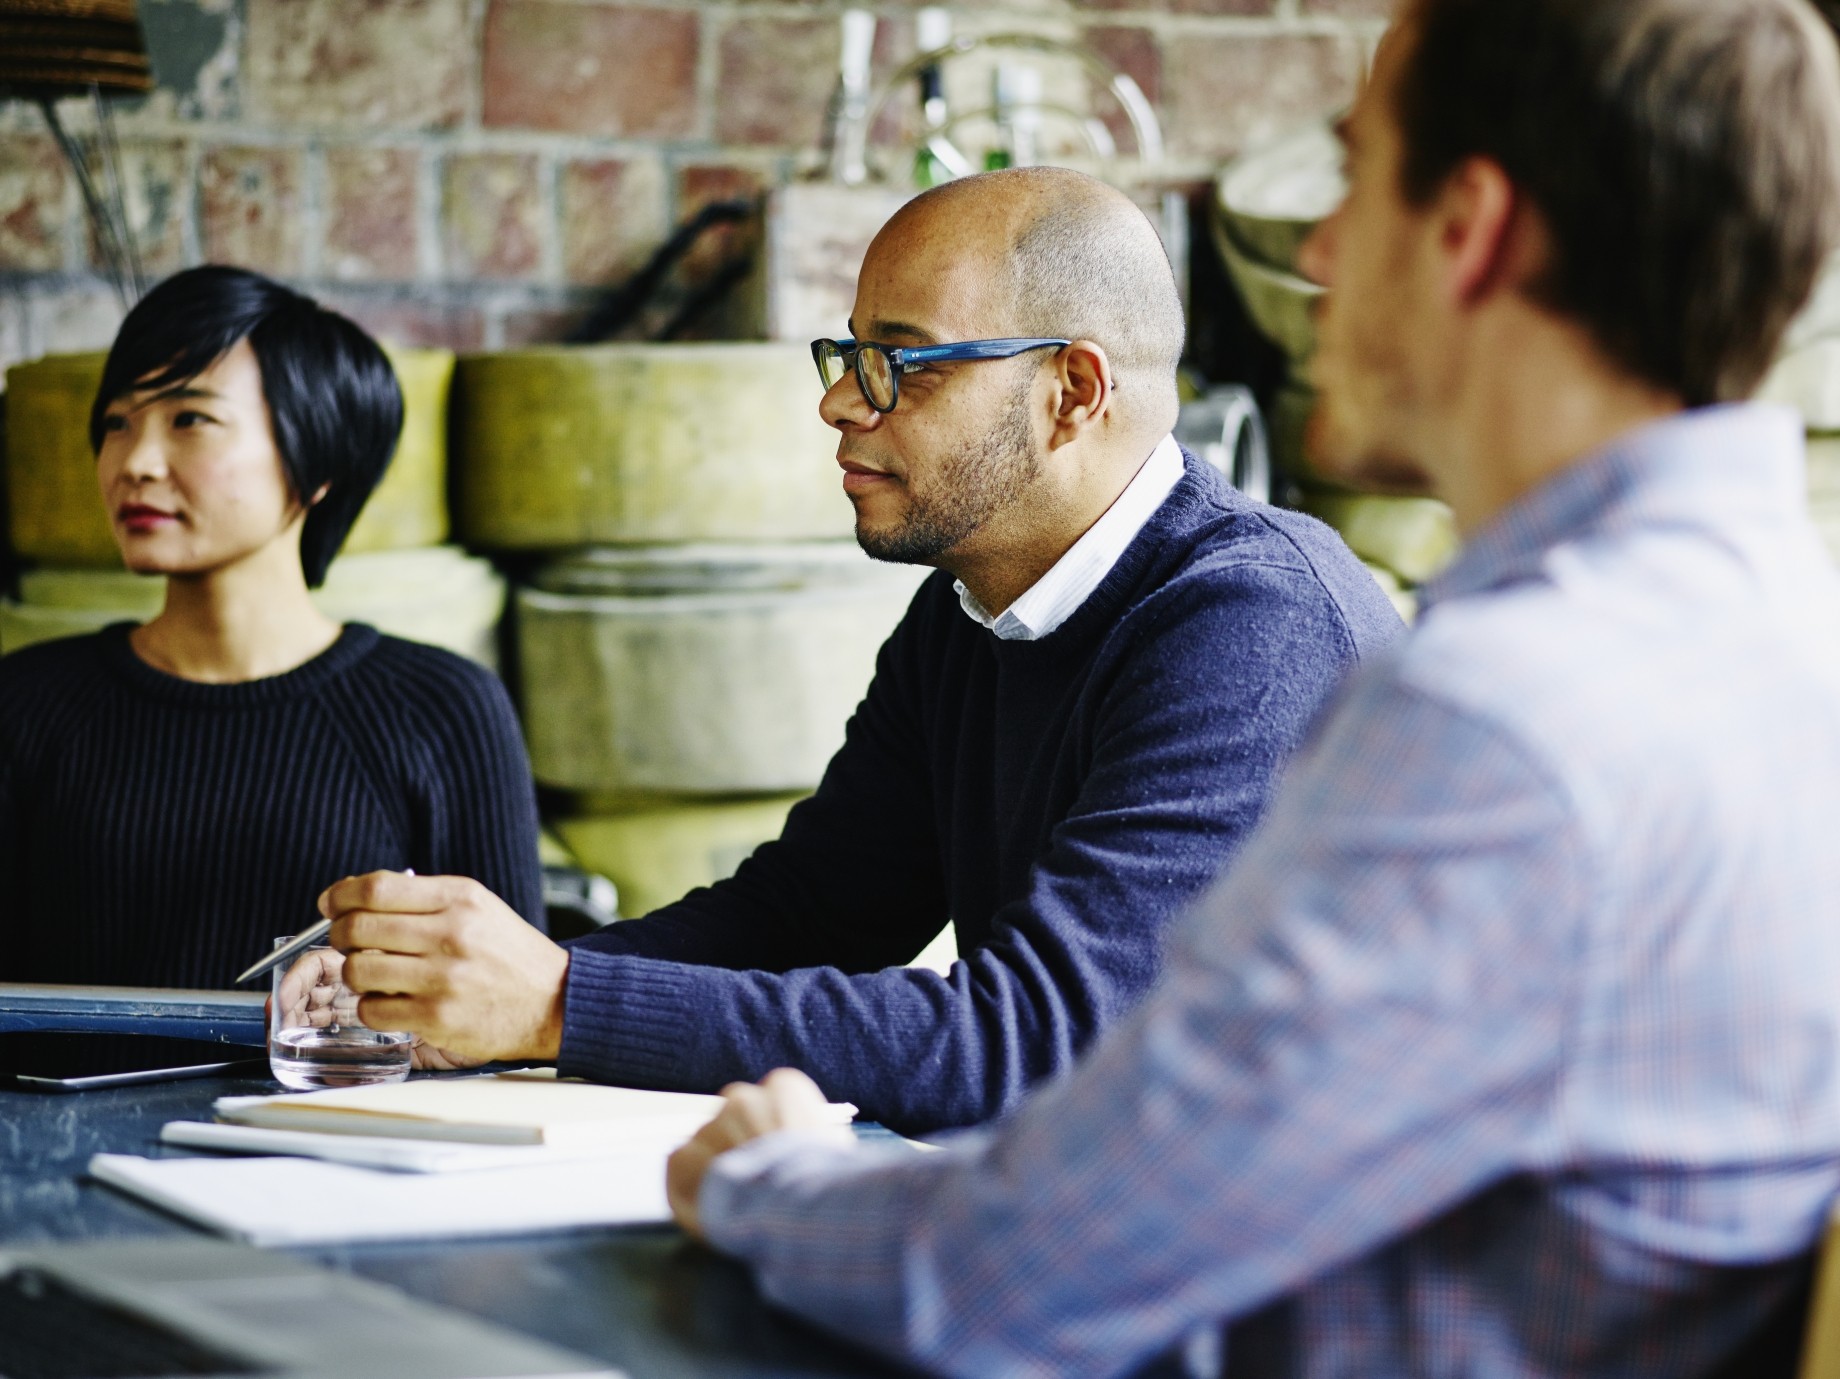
(467, 172)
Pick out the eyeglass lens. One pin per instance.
(877, 375)
(874, 371)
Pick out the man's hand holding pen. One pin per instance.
(445, 959)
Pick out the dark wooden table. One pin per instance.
(646, 1300)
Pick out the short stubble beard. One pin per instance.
(971, 487)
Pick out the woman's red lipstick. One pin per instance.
(139, 518)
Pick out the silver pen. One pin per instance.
(302, 941)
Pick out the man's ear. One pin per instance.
(1483, 231)
(1083, 388)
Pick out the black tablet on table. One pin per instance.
(72, 1061)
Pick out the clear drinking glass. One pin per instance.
(315, 1038)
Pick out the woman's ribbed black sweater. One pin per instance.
(160, 832)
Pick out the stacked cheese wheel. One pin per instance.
(696, 624)
(562, 447)
(1266, 205)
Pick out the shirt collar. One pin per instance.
(1705, 467)
(1070, 581)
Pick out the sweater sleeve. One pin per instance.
(482, 800)
(1219, 688)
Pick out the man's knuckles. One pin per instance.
(367, 892)
(466, 929)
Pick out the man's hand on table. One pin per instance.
(445, 959)
(785, 1099)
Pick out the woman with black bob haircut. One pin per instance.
(334, 405)
(175, 795)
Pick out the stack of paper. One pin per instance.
(493, 1154)
(503, 1108)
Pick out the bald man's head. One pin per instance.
(1068, 257)
(993, 468)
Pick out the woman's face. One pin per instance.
(190, 472)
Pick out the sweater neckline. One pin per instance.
(1101, 606)
(354, 642)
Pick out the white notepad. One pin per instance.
(282, 1201)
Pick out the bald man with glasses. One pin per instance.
(1077, 722)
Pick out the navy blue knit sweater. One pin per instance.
(1057, 801)
(159, 832)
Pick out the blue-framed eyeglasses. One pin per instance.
(879, 367)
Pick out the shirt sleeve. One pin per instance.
(1179, 763)
(1359, 1027)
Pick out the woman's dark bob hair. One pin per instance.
(333, 399)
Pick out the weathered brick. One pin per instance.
(1254, 7)
(371, 196)
(33, 204)
(73, 319)
(156, 188)
(1226, 92)
(698, 184)
(401, 63)
(1352, 9)
(1134, 52)
(591, 69)
(493, 216)
(776, 80)
(738, 314)
(442, 325)
(250, 208)
(702, 183)
(613, 216)
(540, 325)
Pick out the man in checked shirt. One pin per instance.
(1510, 1045)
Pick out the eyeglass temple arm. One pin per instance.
(976, 349)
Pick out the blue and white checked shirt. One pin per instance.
(1511, 1044)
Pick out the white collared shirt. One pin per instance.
(1053, 598)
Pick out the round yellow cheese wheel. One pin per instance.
(562, 446)
(1279, 302)
(656, 854)
(1273, 196)
(742, 688)
(55, 510)
(1413, 537)
(409, 506)
(56, 514)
